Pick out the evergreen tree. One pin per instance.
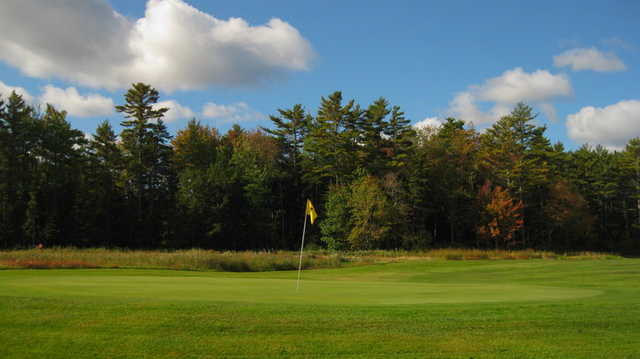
(98, 208)
(400, 134)
(449, 176)
(374, 150)
(516, 155)
(147, 166)
(291, 128)
(61, 159)
(18, 138)
(204, 183)
(331, 145)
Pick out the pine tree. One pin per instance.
(448, 170)
(204, 182)
(400, 134)
(291, 128)
(61, 160)
(99, 205)
(516, 155)
(331, 145)
(18, 138)
(147, 157)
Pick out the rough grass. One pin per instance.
(477, 254)
(193, 259)
(198, 259)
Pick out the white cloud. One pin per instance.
(5, 92)
(75, 104)
(464, 107)
(432, 122)
(173, 47)
(611, 126)
(176, 111)
(236, 113)
(516, 85)
(82, 40)
(504, 91)
(589, 59)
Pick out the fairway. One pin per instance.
(443, 309)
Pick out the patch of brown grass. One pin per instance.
(193, 259)
(46, 264)
(474, 254)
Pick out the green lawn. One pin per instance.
(416, 309)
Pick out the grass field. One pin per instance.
(412, 309)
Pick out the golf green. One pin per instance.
(218, 287)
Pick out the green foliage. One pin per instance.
(330, 145)
(335, 223)
(291, 129)
(372, 214)
(362, 214)
(18, 138)
(447, 174)
(147, 163)
(196, 146)
(380, 183)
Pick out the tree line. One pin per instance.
(376, 181)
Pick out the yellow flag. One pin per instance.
(311, 212)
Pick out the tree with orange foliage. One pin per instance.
(502, 215)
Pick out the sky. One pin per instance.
(577, 63)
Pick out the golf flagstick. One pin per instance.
(304, 229)
(311, 212)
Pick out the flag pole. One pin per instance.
(304, 228)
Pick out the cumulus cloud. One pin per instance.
(173, 47)
(589, 59)
(517, 85)
(504, 91)
(5, 92)
(464, 107)
(75, 104)
(429, 122)
(236, 113)
(176, 111)
(82, 40)
(611, 126)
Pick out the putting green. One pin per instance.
(222, 287)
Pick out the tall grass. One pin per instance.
(198, 259)
(478, 254)
(192, 259)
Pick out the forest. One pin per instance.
(376, 182)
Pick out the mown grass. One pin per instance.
(198, 259)
(418, 308)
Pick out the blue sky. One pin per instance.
(576, 62)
